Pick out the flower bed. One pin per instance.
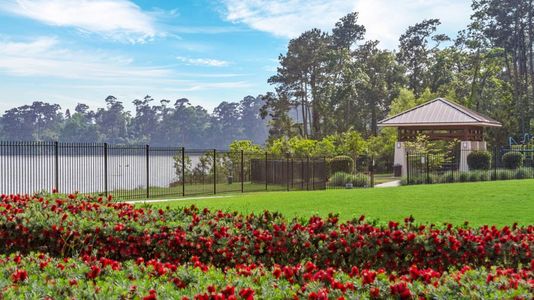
(41, 276)
(116, 250)
(66, 227)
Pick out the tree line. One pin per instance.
(337, 81)
(156, 123)
(329, 83)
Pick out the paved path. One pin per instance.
(389, 184)
(169, 200)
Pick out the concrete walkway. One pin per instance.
(393, 183)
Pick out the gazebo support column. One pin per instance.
(400, 157)
(467, 147)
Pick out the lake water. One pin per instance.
(85, 173)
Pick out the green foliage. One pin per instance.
(464, 177)
(407, 99)
(340, 179)
(512, 160)
(504, 175)
(479, 160)
(358, 180)
(348, 143)
(438, 152)
(247, 146)
(341, 163)
(523, 173)
(179, 164)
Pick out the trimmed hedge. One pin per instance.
(342, 178)
(472, 176)
(512, 160)
(479, 160)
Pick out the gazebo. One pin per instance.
(440, 119)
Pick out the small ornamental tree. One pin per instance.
(440, 152)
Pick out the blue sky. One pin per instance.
(71, 51)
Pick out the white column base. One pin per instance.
(400, 157)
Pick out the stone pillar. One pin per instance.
(467, 147)
(400, 156)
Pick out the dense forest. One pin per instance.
(158, 123)
(328, 83)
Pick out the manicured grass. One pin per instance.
(493, 203)
(192, 190)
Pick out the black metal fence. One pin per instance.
(454, 166)
(130, 172)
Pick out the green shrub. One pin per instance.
(448, 178)
(479, 160)
(342, 178)
(464, 177)
(522, 173)
(503, 175)
(512, 160)
(413, 180)
(434, 178)
(484, 176)
(474, 176)
(341, 163)
(357, 180)
(338, 179)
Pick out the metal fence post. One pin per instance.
(56, 165)
(292, 173)
(326, 171)
(313, 174)
(214, 171)
(287, 171)
(307, 172)
(106, 169)
(372, 171)
(495, 163)
(183, 171)
(407, 167)
(242, 172)
(427, 168)
(266, 165)
(147, 150)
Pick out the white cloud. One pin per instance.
(202, 61)
(286, 18)
(59, 74)
(44, 56)
(116, 19)
(385, 20)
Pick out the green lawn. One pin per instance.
(494, 203)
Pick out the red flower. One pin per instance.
(19, 275)
(95, 271)
(375, 292)
(247, 294)
(152, 295)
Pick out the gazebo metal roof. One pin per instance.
(439, 112)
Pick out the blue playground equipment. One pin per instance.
(526, 139)
(525, 145)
